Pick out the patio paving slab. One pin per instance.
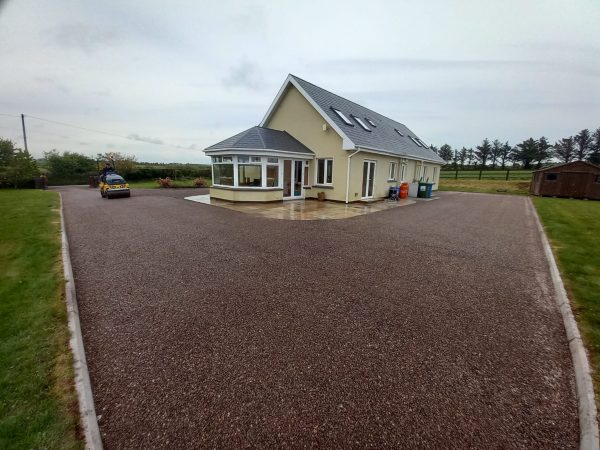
(302, 209)
(432, 326)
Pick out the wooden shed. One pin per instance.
(578, 179)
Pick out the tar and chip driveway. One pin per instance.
(431, 325)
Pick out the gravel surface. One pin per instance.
(431, 325)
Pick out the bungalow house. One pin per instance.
(313, 141)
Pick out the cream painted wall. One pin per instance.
(297, 116)
(244, 195)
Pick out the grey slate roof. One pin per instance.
(383, 137)
(260, 138)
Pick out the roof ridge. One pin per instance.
(350, 101)
(260, 137)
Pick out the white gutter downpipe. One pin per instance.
(348, 175)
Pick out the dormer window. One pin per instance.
(398, 131)
(342, 116)
(371, 122)
(361, 123)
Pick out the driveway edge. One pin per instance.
(87, 411)
(588, 422)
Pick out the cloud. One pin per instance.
(81, 36)
(245, 75)
(55, 84)
(137, 137)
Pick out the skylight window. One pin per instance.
(415, 141)
(371, 122)
(361, 123)
(421, 142)
(398, 131)
(342, 116)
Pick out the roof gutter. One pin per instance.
(348, 174)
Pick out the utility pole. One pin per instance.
(24, 134)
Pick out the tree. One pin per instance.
(505, 154)
(445, 153)
(584, 142)
(455, 159)
(7, 149)
(69, 165)
(470, 157)
(483, 152)
(495, 152)
(21, 169)
(463, 157)
(528, 152)
(544, 151)
(564, 149)
(124, 164)
(594, 155)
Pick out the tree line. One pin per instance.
(529, 154)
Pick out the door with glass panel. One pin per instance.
(368, 179)
(292, 179)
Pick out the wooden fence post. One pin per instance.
(507, 174)
(456, 175)
(480, 172)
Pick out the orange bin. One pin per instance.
(404, 190)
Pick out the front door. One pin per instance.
(368, 178)
(292, 179)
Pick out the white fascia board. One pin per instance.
(404, 155)
(258, 152)
(347, 143)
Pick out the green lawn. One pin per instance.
(38, 403)
(573, 227)
(485, 186)
(153, 184)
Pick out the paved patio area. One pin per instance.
(302, 209)
(431, 326)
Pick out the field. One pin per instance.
(38, 404)
(486, 186)
(573, 227)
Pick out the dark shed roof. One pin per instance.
(260, 138)
(573, 163)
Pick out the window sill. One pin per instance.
(246, 188)
(323, 186)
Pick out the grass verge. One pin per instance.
(485, 186)
(38, 402)
(573, 227)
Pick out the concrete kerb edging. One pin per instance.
(89, 422)
(588, 423)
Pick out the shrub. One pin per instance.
(200, 182)
(165, 182)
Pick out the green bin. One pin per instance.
(425, 190)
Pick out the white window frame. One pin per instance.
(402, 171)
(328, 162)
(342, 116)
(398, 131)
(371, 122)
(360, 122)
(249, 160)
(392, 171)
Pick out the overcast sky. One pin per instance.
(176, 77)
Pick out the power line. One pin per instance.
(92, 130)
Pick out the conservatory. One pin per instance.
(259, 165)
